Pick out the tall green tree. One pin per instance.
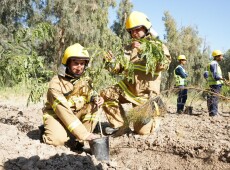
(185, 41)
(84, 21)
(14, 12)
(225, 64)
(33, 40)
(125, 7)
(20, 61)
(171, 37)
(196, 59)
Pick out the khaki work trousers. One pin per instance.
(117, 116)
(55, 132)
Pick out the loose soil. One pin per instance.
(181, 142)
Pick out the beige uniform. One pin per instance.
(68, 110)
(137, 93)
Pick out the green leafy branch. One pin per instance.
(100, 76)
(37, 93)
(152, 51)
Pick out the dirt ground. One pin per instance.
(181, 142)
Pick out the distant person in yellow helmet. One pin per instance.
(215, 81)
(180, 76)
(144, 86)
(69, 112)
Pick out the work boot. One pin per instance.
(211, 114)
(79, 146)
(41, 132)
(97, 128)
(179, 111)
(75, 145)
(160, 104)
(110, 131)
(121, 131)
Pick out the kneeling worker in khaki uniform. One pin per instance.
(70, 109)
(144, 86)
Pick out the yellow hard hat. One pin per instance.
(216, 53)
(75, 50)
(181, 57)
(137, 19)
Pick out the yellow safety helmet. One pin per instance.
(75, 50)
(137, 19)
(181, 57)
(216, 53)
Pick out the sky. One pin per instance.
(211, 17)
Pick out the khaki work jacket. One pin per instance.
(144, 84)
(65, 98)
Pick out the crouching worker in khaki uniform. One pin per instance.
(70, 110)
(144, 85)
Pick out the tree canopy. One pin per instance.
(34, 35)
(185, 41)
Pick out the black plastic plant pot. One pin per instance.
(189, 110)
(100, 148)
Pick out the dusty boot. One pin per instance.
(121, 131)
(104, 126)
(157, 105)
(79, 146)
(159, 102)
(41, 132)
(110, 131)
(75, 145)
(179, 111)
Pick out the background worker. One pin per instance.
(180, 76)
(215, 82)
(144, 86)
(70, 108)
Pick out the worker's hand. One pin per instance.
(92, 136)
(136, 44)
(98, 101)
(109, 56)
(205, 74)
(223, 79)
